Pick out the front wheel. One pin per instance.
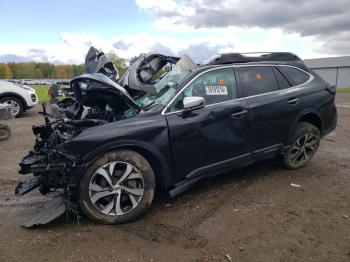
(303, 146)
(117, 188)
(14, 103)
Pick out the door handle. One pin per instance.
(239, 114)
(293, 101)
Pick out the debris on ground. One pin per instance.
(228, 257)
(295, 185)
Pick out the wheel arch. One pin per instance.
(154, 157)
(20, 98)
(310, 116)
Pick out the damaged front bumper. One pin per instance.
(50, 173)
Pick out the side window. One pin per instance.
(294, 75)
(215, 86)
(282, 81)
(257, 80)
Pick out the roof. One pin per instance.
(328, 62)
(229, 58)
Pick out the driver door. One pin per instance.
(213, 137)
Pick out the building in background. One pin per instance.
(335, 70)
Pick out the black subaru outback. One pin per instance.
(169, 122)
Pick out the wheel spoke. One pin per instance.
(134, 191)
(127, 172)
(117, 206)
(101, 171)
(99, 195)
(107, 209)
(311, 143)
(305, 155)
(295, 147)
(111, 168)
(134, 176)
(96, 188)
(133, 200)
(297, 155)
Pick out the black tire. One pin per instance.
(5, 132)
(8, 99)
(120, 157)
(303, 146)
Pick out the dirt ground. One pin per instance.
(251, 214)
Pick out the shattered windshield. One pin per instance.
(166, 87)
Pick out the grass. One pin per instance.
(41, 92)
(341, 90)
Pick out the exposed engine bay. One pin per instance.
(100, 97)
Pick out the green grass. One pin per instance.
(41, 92)
(341, 90)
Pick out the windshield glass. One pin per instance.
(166, 87)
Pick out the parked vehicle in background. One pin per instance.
(17, 96)
(194, 122)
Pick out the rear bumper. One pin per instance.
(332, 123)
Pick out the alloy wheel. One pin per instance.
(303, 148)
(13, 105)
(116, 188)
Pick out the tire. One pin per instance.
(108, 198)
(5, 132)
(15, 103)
(303, 146)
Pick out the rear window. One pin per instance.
(294, 75)
(257, 80)
(282, 81)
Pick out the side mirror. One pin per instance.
(193, 102)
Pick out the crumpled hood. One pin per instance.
(99, 90)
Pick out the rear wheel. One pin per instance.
(304, 145)
(117, 188)
(14, 103)
(5, 132)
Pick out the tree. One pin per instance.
(78, 69)
(60, 72)
(38, 74)
(5, 72)
(118, 62)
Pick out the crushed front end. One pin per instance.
(51, 170)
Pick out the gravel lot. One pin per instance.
(251, 214)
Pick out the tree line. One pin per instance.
(34, 70)
(37, 70)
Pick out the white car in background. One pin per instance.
(17, 96)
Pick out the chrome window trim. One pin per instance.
(233, 66)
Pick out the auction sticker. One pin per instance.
(216, 90)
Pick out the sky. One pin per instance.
(61, 31)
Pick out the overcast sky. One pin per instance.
(61, 31)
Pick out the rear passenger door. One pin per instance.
(272, 107)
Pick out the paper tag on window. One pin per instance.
(215, 90)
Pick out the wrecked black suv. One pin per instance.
(107, 150)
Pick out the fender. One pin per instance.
(313, 111)
(17, 96)
(164, 166)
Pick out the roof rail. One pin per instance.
(252, 57)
